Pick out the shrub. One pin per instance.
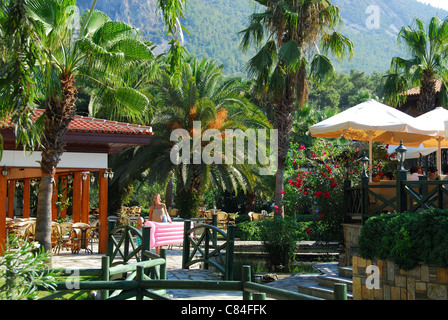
(21, 271)
(279, 238)
(248, 230)
(407, 238)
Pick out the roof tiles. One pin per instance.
(95, 125)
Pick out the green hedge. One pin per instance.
(308, 226)
(407, 238)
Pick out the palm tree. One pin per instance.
(205, 96)
(287, 32)
(102, 44)
(67, 59)
(427, 64)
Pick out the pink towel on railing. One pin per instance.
(163, 234)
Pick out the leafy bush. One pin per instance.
(407, 238)
(248, 230)
(21, 271)
(280, 238)
(310, 227)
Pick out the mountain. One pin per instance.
(213, 27)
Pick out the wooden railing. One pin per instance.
(369, 199)
(205, 248)
(141, 287)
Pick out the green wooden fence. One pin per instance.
(213, 246)
(407, 196)
(140, 287)
(207, 244)
(146, 278)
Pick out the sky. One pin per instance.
(436, 3)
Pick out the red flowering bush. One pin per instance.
(315, 180)
(315, 183)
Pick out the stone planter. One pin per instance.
(421, 283)
(351, 234)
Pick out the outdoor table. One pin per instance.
(81, 240)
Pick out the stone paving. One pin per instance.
(67, 260)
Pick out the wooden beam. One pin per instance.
(35, 173)
(26, 198)
(64, 187)
(3, 200)
(11, 197)
(85, 202)
(102, 210)
(76, 197)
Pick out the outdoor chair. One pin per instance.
(222, 220)
(173, 213)
(66, 230)
(56, 237)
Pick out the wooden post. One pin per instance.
(26, 198)
(208, 234)
(3, 201)
(364, 198)
(102, 211)
(76, 197)
(401, 192)
(146, 238)
(347, 195)
(11, 197)
(85, 202)
(109, 244)
(105, 267)
(64, 187)
(230, 251)
(246, 277)
(139, 277)
(340, 291)
(163, 266)
(186, 244)
(259, 296)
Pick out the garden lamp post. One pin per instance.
(401, 156)
(364, 185)
(401, 176)
(365, 164)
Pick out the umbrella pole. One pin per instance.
(370, 157)
(439, 154)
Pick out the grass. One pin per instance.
(66, 294)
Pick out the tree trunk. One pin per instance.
(426, 101)
(43, 219)
(283, 123)
(169, 193)
(250, 201)
(59, 112)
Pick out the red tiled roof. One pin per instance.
(88, 124)
(95, 125)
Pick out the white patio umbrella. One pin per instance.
(436, 120)
(373, 121)
(413, 152)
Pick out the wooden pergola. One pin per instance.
(89, 141)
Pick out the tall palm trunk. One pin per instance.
(169, 193)
(283, 118)
(59, 112)
(426, 101)
(283, 121)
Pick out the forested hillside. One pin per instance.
(213, 24)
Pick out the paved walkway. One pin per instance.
(67, 260)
